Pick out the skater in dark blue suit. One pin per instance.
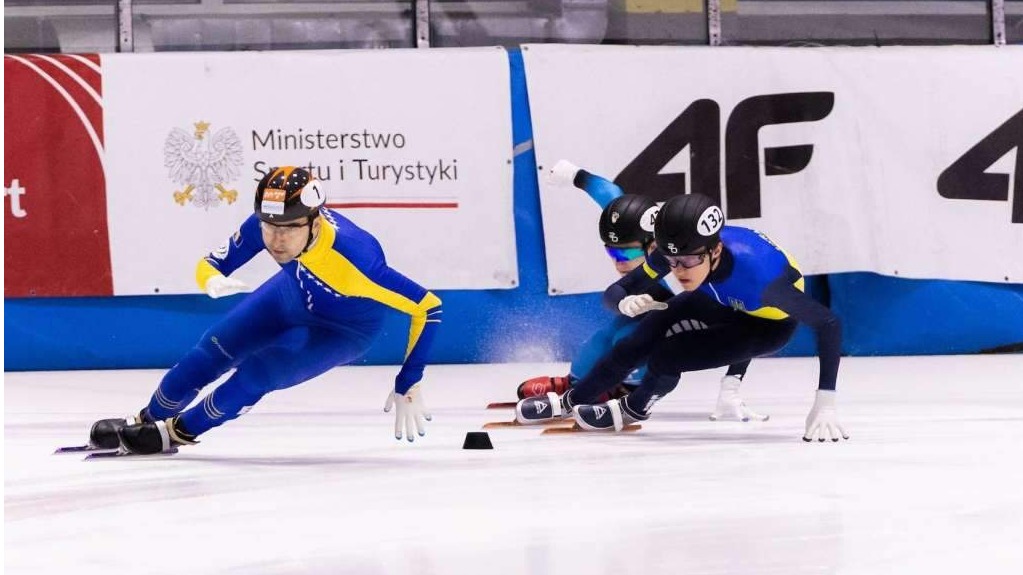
(745, 291)
(626, 227)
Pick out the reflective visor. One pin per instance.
(624, 254)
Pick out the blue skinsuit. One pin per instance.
(323, 309)
(603, 192)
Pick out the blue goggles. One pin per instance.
(624, 254)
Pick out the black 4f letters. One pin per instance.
(966, 178)
(699, 128)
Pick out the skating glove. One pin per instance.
(633, 305)
(730, 406)
(219, 286)
(409, 411)
(822, 422)
(562, 174)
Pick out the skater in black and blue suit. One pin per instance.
(745, 290)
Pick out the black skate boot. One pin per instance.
(103, 434)
(155, 437)
(613, 415)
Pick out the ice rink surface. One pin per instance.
(313, 481)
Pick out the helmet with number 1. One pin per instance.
(688, 224)
(288, 193)
(628, 218)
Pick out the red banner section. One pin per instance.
(55, 222)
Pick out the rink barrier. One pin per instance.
(880, 315)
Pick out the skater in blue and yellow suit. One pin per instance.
(322, 309)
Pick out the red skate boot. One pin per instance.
(539, 386)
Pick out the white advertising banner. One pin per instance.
(413, 145)
(900, 161)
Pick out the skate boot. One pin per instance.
(155, 437)
(541, 409)
(613, 415)
(103, 434)
(540, 386)
(730, 406)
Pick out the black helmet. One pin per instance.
(687, 224)
(628, 218)
(288, 193)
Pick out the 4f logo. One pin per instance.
(698, 128)
(967, 178)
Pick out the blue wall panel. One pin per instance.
(892, 316)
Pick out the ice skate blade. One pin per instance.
(576, 429)
(81, 449)
(515, 424)
(119, 453)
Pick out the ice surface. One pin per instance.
(313, 481)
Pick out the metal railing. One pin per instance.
(146, 25)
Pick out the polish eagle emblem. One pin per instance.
(203, 162)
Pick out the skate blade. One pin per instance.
(576, 429)
(551, 423)
(119, 453)
(81, 449)
(502, 405)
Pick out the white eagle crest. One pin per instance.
(203, 164)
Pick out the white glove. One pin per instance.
(633, 305)
(730, 406)
(822, 422)
(220, 286)
(411, 410)
(562, 174)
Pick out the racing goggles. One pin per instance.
(687, 261)
(624, 254)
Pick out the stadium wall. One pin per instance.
(881, 315)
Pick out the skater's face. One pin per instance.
(286, 240)
(692, 270)
(626, 257)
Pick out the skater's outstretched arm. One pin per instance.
(213, 269)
